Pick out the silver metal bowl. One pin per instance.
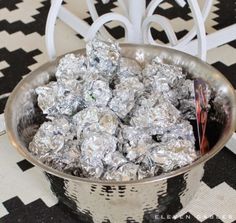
(147, 200)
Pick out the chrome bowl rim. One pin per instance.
(27, 155)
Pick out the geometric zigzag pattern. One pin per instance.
(24, 193)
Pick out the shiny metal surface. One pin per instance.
(148, 200)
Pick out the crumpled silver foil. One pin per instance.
(66, 159)
(114, 160)
(111, 119)
(60, 98)
(162, 77)
(98, 145)
(125, 95)
(173, 154)
(53, 144)
(51, 136)
(181, 130)
(94, 119)
(96, 93)
(155, 114)
(93, 150)
(126, 172)
(136, 142)
(71, 67)
(104, 57)
(129, 68)
(148, 168)
(170, 81)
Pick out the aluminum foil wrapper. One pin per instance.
(129, 68)
(96, 93)
(65, 160)
(135, 142)
(104, 57)
(71, 67)
(125, 95)
(181, 130)
(181, 93)
(53, 141)
(114, 160)
(155, 114)
(60, 98)
(94, 119)
(148, 168)
(173, 154)
(93, 150)
(126, 172)
(171, 82)
(51, 136)
(162, 77)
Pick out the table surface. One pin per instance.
(24, 193)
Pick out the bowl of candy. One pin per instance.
(122, 132)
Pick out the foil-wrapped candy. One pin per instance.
(96, 93)
(66, 159)
(103, 56)
(173, 154)
(114, 159)
(52, 136)
(162, 77)
(148, 168)
(168, 80)
(60, 98)
(129, 68)
(135, 135)
(178, 94)
(135, 154)
(124, 95)
(85, 118)
(125, 172)
(94, 149)
(181, 130)
(94, 119)
(71, 66)
(135, 142)
(98, 145)
(155, 114)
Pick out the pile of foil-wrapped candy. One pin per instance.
(110, 118)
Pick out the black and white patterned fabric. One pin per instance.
(24, 193)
